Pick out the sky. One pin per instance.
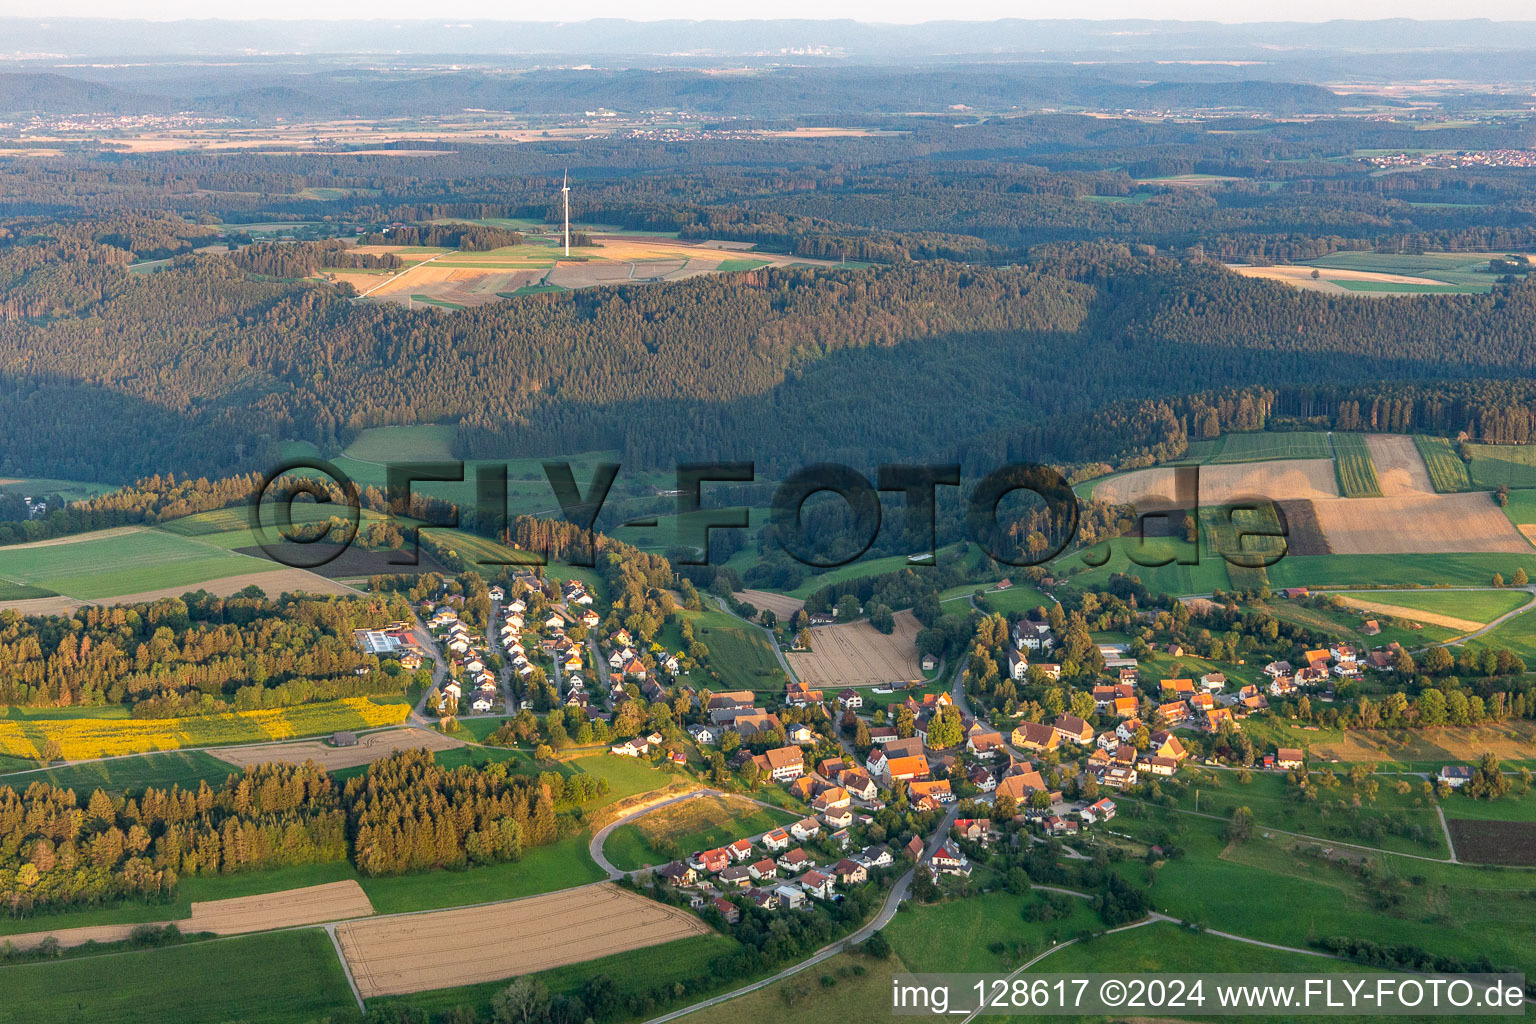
(891, 11)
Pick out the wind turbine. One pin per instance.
(565, 193)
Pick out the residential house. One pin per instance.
(782, 763)
(850, 872)
(905, 768)
(1118, 777)
(1100, 810)
(801, 694)
(1056, 825)
(1181, 688)
(1287, 758)
(939, 790)
(832, 799)
(1070, 727)
(838, 818)
(1213, 681)
(1033, 736)
(805, 829)
(1018, 665)
(714, 861)
(949, 860)
(1166, 744)
(857, 783)
(776, 840)
(795, 860)
(850, 698)
(726, 909)
(1455, 775)
(678, 873)
(790, 896)
(982, 778)
(762, 869)
(816, 884)
(740, 850)
(984, 743)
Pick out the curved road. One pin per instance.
(595, 845)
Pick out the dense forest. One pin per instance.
(405, 814)
(199, 654)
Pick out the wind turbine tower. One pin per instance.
(565, 194)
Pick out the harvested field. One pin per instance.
(1413, 614)
(781, 605)
(369, 749)
(273, 583)
(1508, 741)
(856, 654)
(1328, 278)
(1424, 523)
(1278, 479)
(1399, 466)
(1494, 842)
(315, 904)
(448, 948)
(1303, 534)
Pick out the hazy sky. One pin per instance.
(863, 10)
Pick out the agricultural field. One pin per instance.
(84, 738)
(1463, 569)
(1019, 598)
(1517, 635)
(1221, 484)
(1367, 273)
(1507, 465)
(1445, 467)
(857, 654)
(1356, 470)
(1477, 606)
(739, 654)
(369, 748)
(290, 977)
(1265, 446)
(457, 279)
(185, 768)
(394, 956)
(1414, 750)
(69, 490)
(1127, 555)
(128, 560)
(701, 823)
(1494, 842)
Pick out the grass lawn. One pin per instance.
(1332, 816)
(1467, 271)
(10, 591)
(852, 571)
(1209, 574)
(1274, 889)
(739, 655)
(1517, 635)
(275, 978)
(560, 865)
(699, 824)
(843, 988)
(956, 935)
(125, 563)
(1521, 508)
(1513, 465)
(1019, 598)
(1408, 750)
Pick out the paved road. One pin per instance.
(595, 845)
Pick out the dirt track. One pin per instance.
(856, 654)
(448, 948)
(369, 749)
(273, 582)
(1421, 523)
(1399, 466)
(286, 909)
(1149, 489)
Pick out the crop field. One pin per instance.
(69, 490)
(1246, 539)
(1400, 469)
(1508, 465)
(369, 749)
(290, 977)
(419, 952)
(1446, 469)
(1478, 606)
(1220, 484)
(1265, 446)
(1204, 573)
(1467, 270)
(456, 279)
(1421, 523)
(701, 823)
(782, 605)
(1494, 842)
(240, 915)
(82, 738)
(856, 654)
(1397, 611)
(180, 767)
(1357, 473)
(1473, 569)
(108, 563)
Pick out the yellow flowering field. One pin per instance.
(83, 738)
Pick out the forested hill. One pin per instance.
(204, 367)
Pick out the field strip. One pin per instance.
(396, 277)
(288, 908)
(463, 946)
(1399, 466)
(1413, 614)
(369, 748)
(781, 605)
(855, 653)
(272, 581)
(76, 538)
(1418, 523)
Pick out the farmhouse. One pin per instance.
(905, 768)
(1070, 727)
(782, 764)
(1033, 736)
(1287, 758)
(1455, 775)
